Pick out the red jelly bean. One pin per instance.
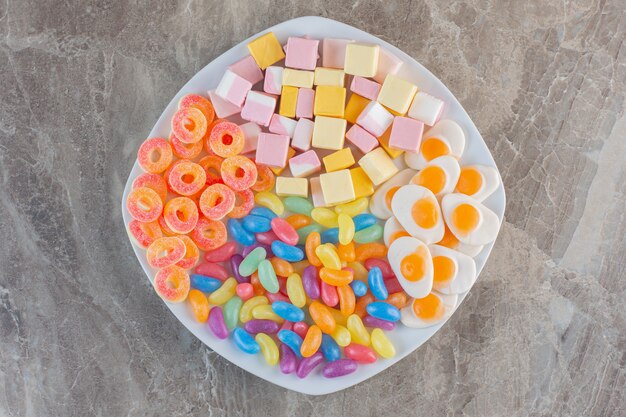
(329, 294)
(393, 285)
(384, 266)
(277, 297)
(287, 325)
(245, 291)
(301, 328)
(266, 238)
(360, 353)
(212, 270)
(221, 254)
(284, 231)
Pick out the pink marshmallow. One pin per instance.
(222, 107)
(316, 192)
(334, 52)
(302, 135)
(272, 150)
(282, 125)
(301, 53)
(305, 164)
(304, 105)
(375, 119)
(273, 83)
(387, 64)
(248, 69)
(364, 87)
(233, 88)
(259, 108)
(251, 136)
(361, 138)
(406, 134)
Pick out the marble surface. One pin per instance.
(543, 332)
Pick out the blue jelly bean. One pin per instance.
(240, 234)
(287, 252)
(288, 311)
(363, 221)
(330, 348)
(330, 235)
(204, 283)
(245, 341)
(263, 212)
(292, 340)
(359, 288)
(377, 283)
(384, 311)
(256, 224)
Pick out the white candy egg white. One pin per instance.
(378, 202)
(402, 206)
(392, 231)
(448, 132)
(464, 273)
(448, 165)
(400, 249)
(410, 319)
(453, 243)
(489, 184)
(485, 231)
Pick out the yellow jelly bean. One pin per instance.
(342, 336)
(295, 290)
(265, 312)
(322, 317)
(357, 330)
(328, 256)
(223, 293)
(271, 201)
(312, 341)
(382, 345)
(325, 217)
(339, 318)
(346, 228)
(353, 208)
(268, 348)
(360, 272)
(245, 314)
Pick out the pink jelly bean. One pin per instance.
(301, 328)
(370, 321)
(288, 359)
(393, 285)
(277, 297)
(311, 282)
(209, 269)
(287, 325)
(284, 231)
(221, 254)
(266, 238)
(360, 353)
(235, 261)
(217, 324)
(308, 364)
(384, 266)
(261, 326)
(248, 249)
(329, 294)
(245, 291)
(339, 367)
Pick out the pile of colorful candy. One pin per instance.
(312, 281)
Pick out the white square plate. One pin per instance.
(406, 340)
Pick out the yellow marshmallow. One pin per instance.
(396, 94)
(286, 186)
(363, 186)
(328, 133)
(288, 100)
(378, 166)
(329, 101)
(355, 106)
(384, 142)
(279, 170)
(266, 50)
(338, 160)
(361, 59)
(329, 76)
(298, 78)
(337, 187)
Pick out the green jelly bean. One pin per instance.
(231, 312)
(303, 232)
(298, 205)
(251, 262)
(267, 276)
(369, 234)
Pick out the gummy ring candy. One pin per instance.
(155, 155)
(152, 181)
(192, 254)
(244, 201)
(172, 284)
(200, 103)
(226, 139)
(207, 137)
(166, 174)
(144, 204)
(144, 233)
(212, 164)
(187, 178)
(185, 150)
(165, 228)
(265, 179)
(165, 251)
(209, 234)
(239, 172)
(189, 124)
(181, 215)
(217, 201)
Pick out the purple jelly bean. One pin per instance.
(308, 364)
(288, 360)
(339, 367)
(266, 238)
(370, 321)
(261, 326)
(217, 324)
(310, 282)
(235, 260)
(250, 248)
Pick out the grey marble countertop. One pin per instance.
(543, 332)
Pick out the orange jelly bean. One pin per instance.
(154, 182)
(192, 254)
(217, 201)
(298, 220)
(209, 234)
(313, 240)
(144, 204)
(312, 341)
(347, 252)
(155, 155)
(347, 300)
(265, 179)
(181, 215)
(336, 277)
(189, 125)
(370, 250)
(226, 139)
(399, 299)
(259, 289)
(362, 303)
(322, 317)
(199, 305)
(281, 267)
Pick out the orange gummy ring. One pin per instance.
(187, 178)
(172, 283)
(144, 204)
(244, 201)
(189, 125)
(185, 150)
(165, 251)
(226, 139)
(155, 155)
(265, 179)
(152, 181)
(212, 165)
(217, 201)
(200, 103)
(209, 234)
(181, 215)
(239, 172)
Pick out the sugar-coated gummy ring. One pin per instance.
(244, 205)
(209, 234)
(207, 137)
(185, 150)
(212, 165)
(144, 204)
(239, 172)
(165, 251)
(189, 125)
(226, 139)
(200, 103)
(166, 174)
(187, 178)
(172, 284)
(217, 201)
(153, 181)
(144, 233)
(155, 155)
(181, 215)
(165, 228)
(192, 254)
(265, 179)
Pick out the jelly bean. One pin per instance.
(307, 365)
(244, 201)
(324, 216)
(313, 240)
(357, 330)
(288, 359)
(153, 181)
(172, 284)
(212, 270)
(384, 311)
(347, 299)
(267, 276)
(370, 250)
(346, 228)
(256, 284)
(189, 124)
(298, 221)
(216, 323)
(256, 224)
(377, 284)
(362, 303)
(216, 201)
(265, 180)
(346, 252)
(266, 238)
(305, 231)
(399, 300)
(199, 305)
(330, 348)
(268, 348)
(263, 212)
(311, 283)
(312, 341)
(239, 172)
(370, 321)
(298, 205)
(270, 201)
(226, 139)
(251, 262)
(382, 345)
(353, 208)
(339, 368)
(360, 273)
(339, 318)
(185, 150)
(223, 293)
(231, 312)
(369, 234)
(322, 317)
(144, 233)
(382, 264)
(359, 288)
(265, 312)
(281, 267)
(360, 353)
(244, 290)
(329, 294)
(186, 178)
(336, 277)
(155, 155)
(330, 235)
(240, 234)
(255, 326)
(204, 283)
(245, 342)
(235, 261)
(287, 252)
(288, 311)
(284, 231)
(287, 325)
(295, 290)
(363, 221)
(341, 336)
(144, 204)
(222, 253)
(165, 251)
(292, 340)
(209, 234)
(282, 284)
(393, 285)
(212, 165)
(328, 256)
(300, 328)
(245, 313)
(277, 297)
(246, 251)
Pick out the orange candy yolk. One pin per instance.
(465, 217)
(433, 148)
(444, 269)
(470, 181)
(413, 266)
(428, 308)
(390, 194)
(424, 213)
(433, 178)
(448, 240)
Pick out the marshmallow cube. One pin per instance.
(266, 50)
(224, 108)
(355, 107)
(329, 133)
(397, 94)
(329, 101)
(365, 88)
(302, 53)
(388, 63)
(286, 186)
(361, 138)
(426, 108)
(406, 134)
(282, 125)
(272, 150)
(363, 186)
(305, 164)
(250, 136)
(384, 143)
(329, 76)
(273, 80)
(375, 119)
(233, 88)
(248, 69)
(259, 108)
(361, 59)
(302, 134)
(316, 192)
(334, 52)
(304, 106)
(291, 152)
(338, 160)
(288, 100)
(378, 166)
(337, 187)
(298, 78)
